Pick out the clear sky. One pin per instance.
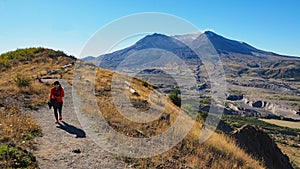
(68, 24)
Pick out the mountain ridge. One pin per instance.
(234, 46)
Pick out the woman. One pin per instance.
(57, 93)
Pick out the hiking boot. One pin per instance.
(60, 118)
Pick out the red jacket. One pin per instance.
(60, 93)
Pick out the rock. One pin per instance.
(53, 72)
(235, 97)
(258, 144)
(77, 151)
(66, 66)
(257, 104)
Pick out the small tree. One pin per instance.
(175, 98)
(201, 116)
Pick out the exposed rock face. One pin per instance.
(257, 143)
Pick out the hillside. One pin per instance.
(20, 91)
(220, 151)
(26, 67)
(260, 84)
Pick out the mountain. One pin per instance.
(179, 45)
(257, 74)
(158, 44)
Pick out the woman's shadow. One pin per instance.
(72, 129)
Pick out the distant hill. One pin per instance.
(28, 55)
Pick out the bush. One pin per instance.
(201, 116)
(144, 83)
(175, 98)
(13, 157)
(22, 81)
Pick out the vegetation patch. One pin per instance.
(175, 97)
(16, 157)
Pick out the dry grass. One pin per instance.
(293, 153)
(17, 128)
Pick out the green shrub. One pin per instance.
(22, 81)
(175, 98)
(13, 157)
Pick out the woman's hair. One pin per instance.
(57, 83)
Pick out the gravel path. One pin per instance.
(66, 145)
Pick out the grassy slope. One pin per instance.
(17, 129)
(219, 151)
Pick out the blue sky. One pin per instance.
(68, 25)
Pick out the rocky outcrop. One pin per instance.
(258, 144)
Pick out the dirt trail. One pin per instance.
(66, 145)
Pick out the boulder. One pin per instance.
(258, 144)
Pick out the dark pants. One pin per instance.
(59, 108)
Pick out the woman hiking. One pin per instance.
(56, 97)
